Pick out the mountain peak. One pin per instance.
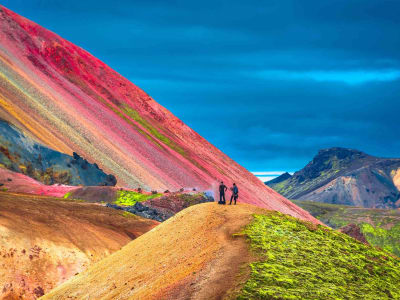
(333, 160)
(280, 178)
(341, 153)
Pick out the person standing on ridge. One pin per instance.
(222, 190)
(235, 193)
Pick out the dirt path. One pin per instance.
(223, 275)
(191, 256)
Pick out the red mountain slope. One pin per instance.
(71, 101)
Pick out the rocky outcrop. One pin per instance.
(354, 231)
(22, 154)
(162, 208)
(141, 210)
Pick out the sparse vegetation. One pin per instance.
(153, 130)
(299, 260)
(387, 239)
(127, 214)
(129, 198)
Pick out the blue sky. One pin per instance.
(268, 82)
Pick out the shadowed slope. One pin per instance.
(71, 101)
(21, 154)
(45, 240)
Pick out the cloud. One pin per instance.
(268, 173)
(266, 178)
(351, 77)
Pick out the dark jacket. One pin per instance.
(222, 188)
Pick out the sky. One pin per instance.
(267, 82)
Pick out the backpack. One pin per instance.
(235, 190)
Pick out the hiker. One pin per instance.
(222, 190)
(235, 193)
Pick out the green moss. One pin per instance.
(68, 197)
(370, 220)
(387, 239)
(129, 198)
(283, 187)
(127, 214)
(299, 260)
(192, 199)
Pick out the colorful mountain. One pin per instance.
(209, 251)
(345, 176)
(22, 154)
(63, 97)
(46, 240)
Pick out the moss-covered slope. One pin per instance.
(299, 260)
(381, 227)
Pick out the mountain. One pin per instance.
(279, 179)
(70, 101)
(209, 251)
(345, 176)
(22, 154)
(46, 240)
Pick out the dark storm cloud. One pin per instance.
(268, 82)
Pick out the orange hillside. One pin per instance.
(46, 240)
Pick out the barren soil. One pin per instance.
(46, 240)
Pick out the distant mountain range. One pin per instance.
(344, 176)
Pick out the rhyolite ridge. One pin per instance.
(345, 176)
(20, 153)
(70, 101)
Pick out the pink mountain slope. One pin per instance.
(70, 101)
(19, 183)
